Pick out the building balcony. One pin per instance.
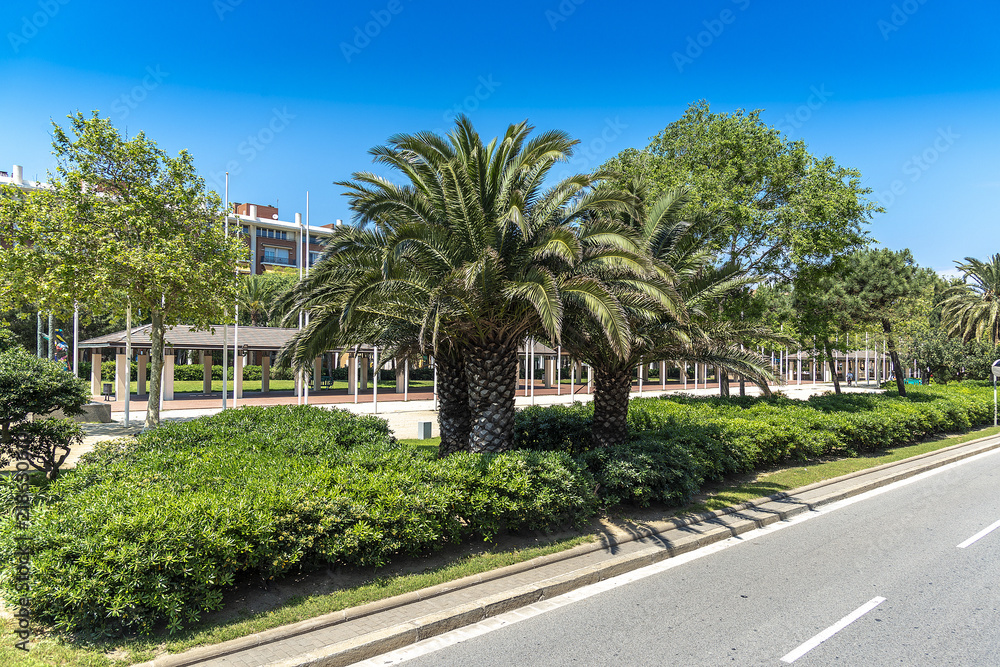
(270, 258)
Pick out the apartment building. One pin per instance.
(273, 244)
(277, 244)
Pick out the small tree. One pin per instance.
(122, 225)
(31, 388)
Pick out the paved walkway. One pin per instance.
(360, 633)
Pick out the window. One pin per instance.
(277, 256)
(315, 240)
(314, 257)
(271, 234)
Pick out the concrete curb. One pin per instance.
(389, 639)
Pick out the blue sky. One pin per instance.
(290, 97)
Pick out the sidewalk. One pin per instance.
(351, 635)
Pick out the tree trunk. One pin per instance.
(833, 367)
(890, 342)
(743, 386)
(491, 369)
(723, 383)
(611, 395)
(157, 332)
(453, 407)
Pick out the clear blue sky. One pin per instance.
(874, 84)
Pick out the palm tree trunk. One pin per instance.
(723, 383)
(453, 407)
(157, 332)
(897, 368)
(611, 395)
(491, 369)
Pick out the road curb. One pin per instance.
(382, 641)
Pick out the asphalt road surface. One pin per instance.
(876, 580)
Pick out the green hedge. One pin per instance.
(153, 533)
(681, 441)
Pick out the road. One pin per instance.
(881, 579)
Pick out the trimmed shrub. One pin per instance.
(149, 532)
(556, 428)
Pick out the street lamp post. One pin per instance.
(995, 368)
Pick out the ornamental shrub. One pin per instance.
(150, 532)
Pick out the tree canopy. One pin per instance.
(123, 225)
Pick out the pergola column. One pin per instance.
(352, 373)
(400, 375)
(122, 377)
(168, 375)
(95, 373)
(206, 376)
(317, 373)
(141, 374)
(265, 373)
(238, 376)
(364, 371)
(549, 364)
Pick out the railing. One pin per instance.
(274, 259)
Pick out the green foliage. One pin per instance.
(971, 309)
(647, 470)
(557, 428)
(152, 531)
(35, 387)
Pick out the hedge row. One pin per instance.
(681, 441)
(151, 534)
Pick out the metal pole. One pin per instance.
(128, 360)
(994, 400)
(559, 371)
(236, 349)
(38, 336)
(572, 377)
(435, 383)
(406, 379)
(225, 325)
(375, 380)
(52, 337)
(639, 371)
(76, 339)
(357, 371)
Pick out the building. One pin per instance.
(16, 177)
(276, 244)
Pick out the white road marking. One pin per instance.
(488, 625)
(980, 535)
(832, 630)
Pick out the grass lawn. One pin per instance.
(196, 386)
(793, 477)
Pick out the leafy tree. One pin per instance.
(123, 225)
(884, 287)
(972, 310)
(259, 293)
(823, 309)
(778, 206)
(946, 358)
(31, 388)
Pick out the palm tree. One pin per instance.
(667, 313)
(476, 239)
(972, 311)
